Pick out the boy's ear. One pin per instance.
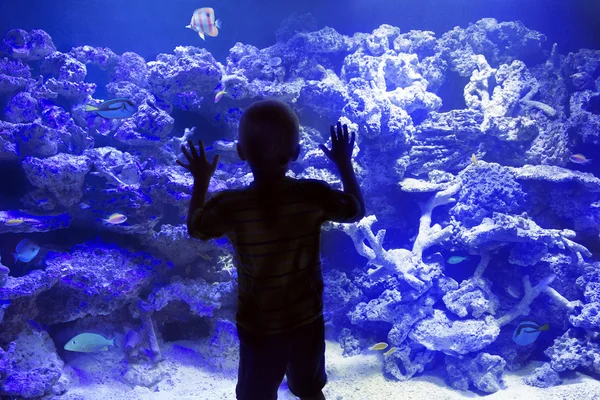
(240, 151)
(296, 153)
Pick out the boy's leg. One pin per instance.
(263, 359)
(306, 369)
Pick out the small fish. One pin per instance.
(456, 259)
(390, 351)
(84, 206)
(219, 95)
(321, 68)
(26, 251)
(14, 222)
(514, 292)
(579, 159)
(275, 62)
(209, 148)
(527, 332)
(203, 22)
(89, 343)
(474, 160)
(4, 302)
(379, 346)
(116, 219)
(221, 241)
(205, 256)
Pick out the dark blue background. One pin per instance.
(149, 27)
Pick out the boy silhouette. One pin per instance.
(274, 225)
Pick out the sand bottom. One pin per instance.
(352, 378)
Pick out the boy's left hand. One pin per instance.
(198, 163)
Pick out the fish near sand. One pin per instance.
(114, 109)
(89, 343)
(26, 250)
(115, 219)
(203, 22)
(379, 346)
(527, 332)
(390, 351)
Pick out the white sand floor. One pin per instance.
(352, 378)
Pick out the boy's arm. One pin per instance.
(199, 191)
(351, 185)
(342, 145)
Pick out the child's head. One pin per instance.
(268, 137)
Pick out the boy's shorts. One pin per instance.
(265, 359)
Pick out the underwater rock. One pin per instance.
(222, 353)
(407, 361)
(350, 343)
(14, 76)
(587, 317)
(484, 372)
(30, 367)
(543, 377)
(585, 119)
(473, 298)
(581, 67)
(27, 46)
(99, 56)
(190, 69)
(500, 43)
(570, 352)
(421, 43)
(453, 337)
(95, 278)
(201, 297)
(132, 68)
(63, 67)
(61, 176)
(22, 108)
(486, 190)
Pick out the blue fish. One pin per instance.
(114, 109)
(26, 251)
(4, 302)
(527, 332)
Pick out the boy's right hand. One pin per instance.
(198, 165)
(341, 149)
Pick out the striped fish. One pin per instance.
(203, 22)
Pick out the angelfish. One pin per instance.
(203, 22)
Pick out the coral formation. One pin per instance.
(490, 181)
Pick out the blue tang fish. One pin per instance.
(527, 332)
(26, 251)
(114, 109)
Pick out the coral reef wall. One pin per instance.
(491, 180)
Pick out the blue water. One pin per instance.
(487, 219)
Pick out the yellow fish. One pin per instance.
(379, 346)
(321, 68)
(14, 222)
(116, 219)
(219, 95)
(390, 351)
(474, 160)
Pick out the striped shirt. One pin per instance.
(280, 283)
